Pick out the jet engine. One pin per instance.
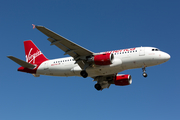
(122, 80)
(102, 59)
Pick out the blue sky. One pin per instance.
(98, 26)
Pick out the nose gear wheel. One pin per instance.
(144, 72)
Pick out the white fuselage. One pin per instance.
(123, 59)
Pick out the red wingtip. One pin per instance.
(33, 26)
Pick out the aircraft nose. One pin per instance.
(166, 56)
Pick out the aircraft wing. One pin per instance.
(69, 47)
(64, 44)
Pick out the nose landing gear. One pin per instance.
(144, 72)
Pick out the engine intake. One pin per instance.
(122, 80)
(103, 59)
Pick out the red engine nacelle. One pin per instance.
(103, 59)
(122, 80)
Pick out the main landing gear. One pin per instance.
(84, 74)
(144, 72)
(97, 86)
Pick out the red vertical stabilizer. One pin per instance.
(33, 54)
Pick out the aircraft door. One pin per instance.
(46, 66)
(142, 51)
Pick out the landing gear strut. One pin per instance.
(97, 86)
(84, 74)
(144, 72)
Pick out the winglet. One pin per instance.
(34, 26)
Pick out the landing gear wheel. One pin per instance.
(145, 74)
(84, 74)
(97, 86)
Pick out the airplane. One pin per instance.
(103, 67)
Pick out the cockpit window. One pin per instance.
(155, 50)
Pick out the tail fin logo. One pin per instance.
(31, 58)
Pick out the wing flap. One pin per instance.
(21, 62)
(61, 46)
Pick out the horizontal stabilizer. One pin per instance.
(21, 62)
